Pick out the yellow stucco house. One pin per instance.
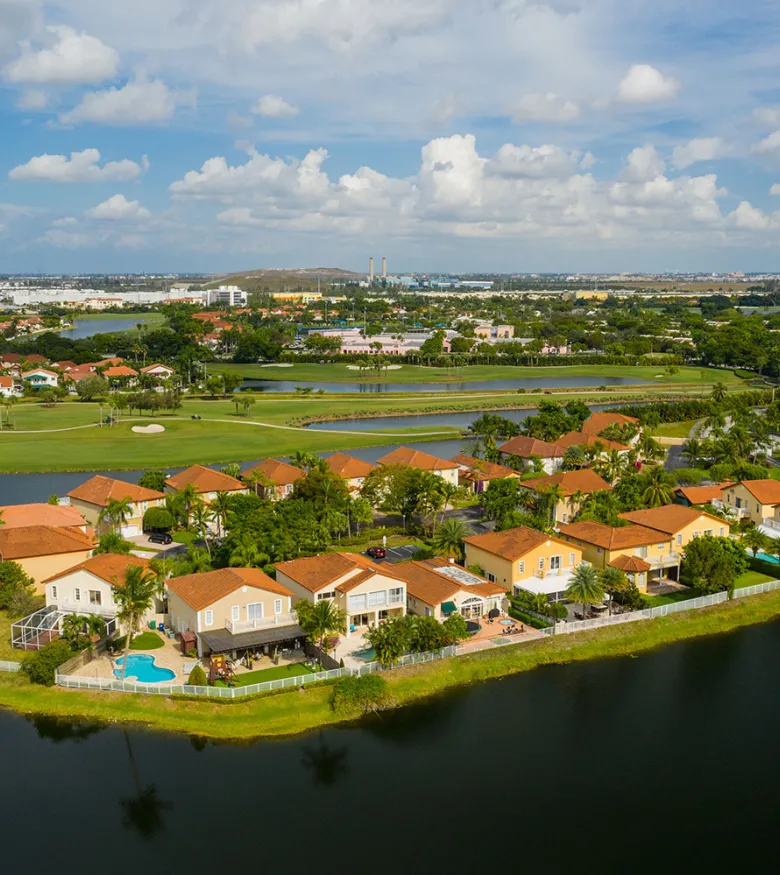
(351, 470)
(93, 497)
(424, 462)
(367, 592)
(524, 558)
(44, 551)
(757, 499)
(575, 486)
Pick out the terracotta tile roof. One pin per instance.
(35, 359)
(106, 363)
(704, 494)
(416, 459)
(201, 590)
(764, 491)
(631, 564)
(432, 587)
(204, 480)
(670, 518)
(34, 371)
(348, 467)
(609, 537)
(120, 371)
(597, 422)
(481, 469)
(149, 368)
(316, 572)
(100, 490)
(107, 566)
(571, 482)
(65, 366)
(15, 515)
(26, 542)
(513, 543)
(6, 382)
(276, 472)
(11, 358)
(580, 439)
(525, 447)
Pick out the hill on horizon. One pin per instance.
(285, 279)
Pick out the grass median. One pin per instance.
(289, 713)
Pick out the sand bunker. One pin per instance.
(148, 429)
(278, 365)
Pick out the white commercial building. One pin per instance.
(229, 296)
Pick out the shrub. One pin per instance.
(158, 518)
(197, 677)
(355, 694)
(41, 666)
(528, 619)
(23, 603)
(13, 580)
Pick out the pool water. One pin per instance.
(767, 558)
(368, 655)
(142, 667)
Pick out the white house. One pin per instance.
(40, 378)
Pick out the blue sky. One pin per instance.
(508, 135)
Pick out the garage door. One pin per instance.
(130, 531)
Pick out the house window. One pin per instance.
(555, 563)
(377, 598)
(758, 508)
(721, 531)
(235, 613)
(520, 567)
(278, 606)
(541, 563)
(255, 611)
(599, 550)
(708, 531)
(358, 602)
(77, 594)
(695, 534)
(321, 596)
(490, 577)
(428, 611)
(572, 558)
(679, 540)
(288, 489)
(95, 597)
(396, 595)
(54, 592)
(209, 618)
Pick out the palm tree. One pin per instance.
(552, 496)
(246, 554)
(692, 450)
(188, 497)
(134, 599)
(614, 581)
(143, 812)
(116, 513)
(221, 507)
(649, 448)
(448, 541)
(718, 393)
(611, 466)
(659, 489)
(715, 422)
(585, 587)
(321, 620)
(202, 515)
(755, 540)
(304, 460)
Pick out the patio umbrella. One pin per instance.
(493, 613)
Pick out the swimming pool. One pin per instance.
(142, 667)
(368, 655)
(765, 557)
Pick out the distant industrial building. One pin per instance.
(226, 296)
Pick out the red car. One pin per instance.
(376, 552)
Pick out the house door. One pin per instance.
(555, 563)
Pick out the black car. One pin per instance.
(376, 552)
(160, 538)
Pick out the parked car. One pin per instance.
(160, 538)
(376, 552)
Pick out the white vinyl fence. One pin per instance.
(10, 666)
(116, 686)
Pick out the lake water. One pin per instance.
(83, 328)
(667, 762)
(369, 387)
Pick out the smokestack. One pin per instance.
(384, 268)
(371, 269)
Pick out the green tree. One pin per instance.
(718, 393)
(52, 499)
(585, 587)
(712, 564)
(389, 640)
(448, 540)
(112, 542)
(197, 677)
(13, 580)
(659, 487)
(232, 470)
(116, 513)
(153, 480)
(454, 629)
(91, 388)
(247, 554)
(321, 620)
(614, 582)
(755, 540)
(134, 599)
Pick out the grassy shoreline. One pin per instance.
(296, 712)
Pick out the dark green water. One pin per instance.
(668, 763)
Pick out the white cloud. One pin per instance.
(775, 189)
(272, 106)
(643, 165)
(769, 145)
(547, 107)
(542, 162)
(702, 149)
(80, 167)
(768, 116)
(750, 218)
(445, 109)
(141, 101)
(644, 84)
(33, 100)
(65, 222)
(74, 58)
(118, 208)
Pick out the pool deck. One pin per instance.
(168, 656)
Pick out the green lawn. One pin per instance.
(340, 373)
(301, 711)
(753, 578)
(147, 641)
(655, 601)
(272, 674)
(674, 429)
(136, 317)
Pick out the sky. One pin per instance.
(447, 135)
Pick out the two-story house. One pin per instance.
(351, 470)
(439, 588)
(757, 499)
(524, 558)
(478, 473)
(9, 388)
(272, 479)
(367, 592)
(40, 378)
(89, 587)
(93, 497)
(423, 462)
(597, 422)
(575, 487)
(61, 516)
(681, 524)
(206, 481)
(43, 551)
(234, 610)
(528, 448)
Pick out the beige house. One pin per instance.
(273, 479)
(598, 422)
(44, 551)
(438, 588)
(94, 496)
(523, 558)
(757, 499)
(351, 470)
(233, 610)
(681, 524)
(424, 462)
(88, 588)
(574, 487)
(367, 592)
(206, 482)
(478, 473)
(14, 516)
(528, 448)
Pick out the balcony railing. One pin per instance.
(772, 523)
(84, 608)
(661, 561)
(238, 626)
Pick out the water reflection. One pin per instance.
(143, 812)
(58, 729)
(326, 763)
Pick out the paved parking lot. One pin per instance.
(401, 554)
